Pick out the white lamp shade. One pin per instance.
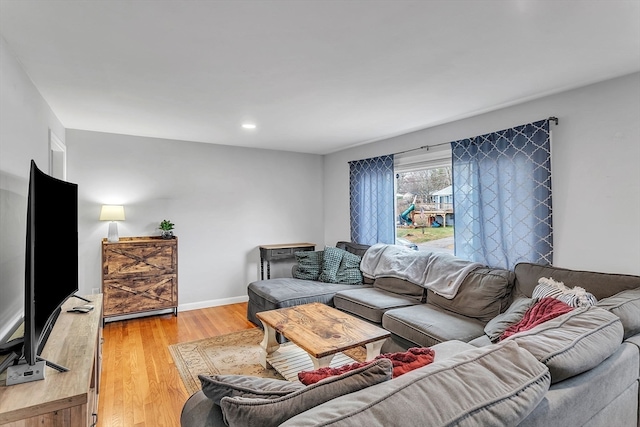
(112, 213)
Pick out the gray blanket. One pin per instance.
(440, 272)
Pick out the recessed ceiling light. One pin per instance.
(248, 126)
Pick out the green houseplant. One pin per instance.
(167, 229)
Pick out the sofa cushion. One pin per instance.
(601, 285)
(483, 294)
(284, 292)
(399, 286)
(574, 342)
(574, 297)
(239, 411)
(218, 386)
(309, 265)
(287, 292)
(340, 266)
(370, 303)
(498, 385)
(513, 315)
(625, 305)
(583, 399)
(426, 325)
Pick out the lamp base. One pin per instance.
(113, 232)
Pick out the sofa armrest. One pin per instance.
(200, 411)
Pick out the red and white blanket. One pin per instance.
(403, 362)
(545, 309)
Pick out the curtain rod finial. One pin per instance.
(554, 119)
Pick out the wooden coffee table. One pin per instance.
(321, 331)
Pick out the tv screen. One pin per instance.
(51, 264)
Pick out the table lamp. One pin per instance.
(112, 213)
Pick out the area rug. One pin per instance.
(232, 354)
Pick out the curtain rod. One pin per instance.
(551, 119)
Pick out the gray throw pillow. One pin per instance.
(625, 305)
(309, 265)
(218, 386)
(514, 314)
(239, 411)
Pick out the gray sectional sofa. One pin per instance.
(579, 369)
(414, 315)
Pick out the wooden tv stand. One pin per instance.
(62, 398)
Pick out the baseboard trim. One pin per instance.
(212, 303)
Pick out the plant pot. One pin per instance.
(167, 234)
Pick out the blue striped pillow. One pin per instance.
(573, 297)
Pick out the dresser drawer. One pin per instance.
(278, 253)
(273, 253)
(125, 259)
(139, 294)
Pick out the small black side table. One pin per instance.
(282, 251)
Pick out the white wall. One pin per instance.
(596, 171)
(25, 121)
(225, 202)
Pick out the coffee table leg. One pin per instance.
(321, 362)
(373, 349)
(269, 344)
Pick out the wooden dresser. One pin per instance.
(62, 398)
(139, 275)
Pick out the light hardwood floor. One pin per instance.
(140, 386)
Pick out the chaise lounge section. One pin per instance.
(285, 292)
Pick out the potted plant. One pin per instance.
(167, 229)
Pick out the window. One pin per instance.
(424, 200)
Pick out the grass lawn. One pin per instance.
(426, 234)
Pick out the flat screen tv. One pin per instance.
(51, 264)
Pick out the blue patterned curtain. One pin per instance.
(502, 196)
(371, 200)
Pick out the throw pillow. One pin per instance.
(403, 362)
(542, 311)
(340, 266)
(309, 265)
(218, 386)
(625, 305)
(330, 264)
(241, 411)
(574, 297)
(514, 314)
(349, 271)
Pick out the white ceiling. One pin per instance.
(314, 76)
